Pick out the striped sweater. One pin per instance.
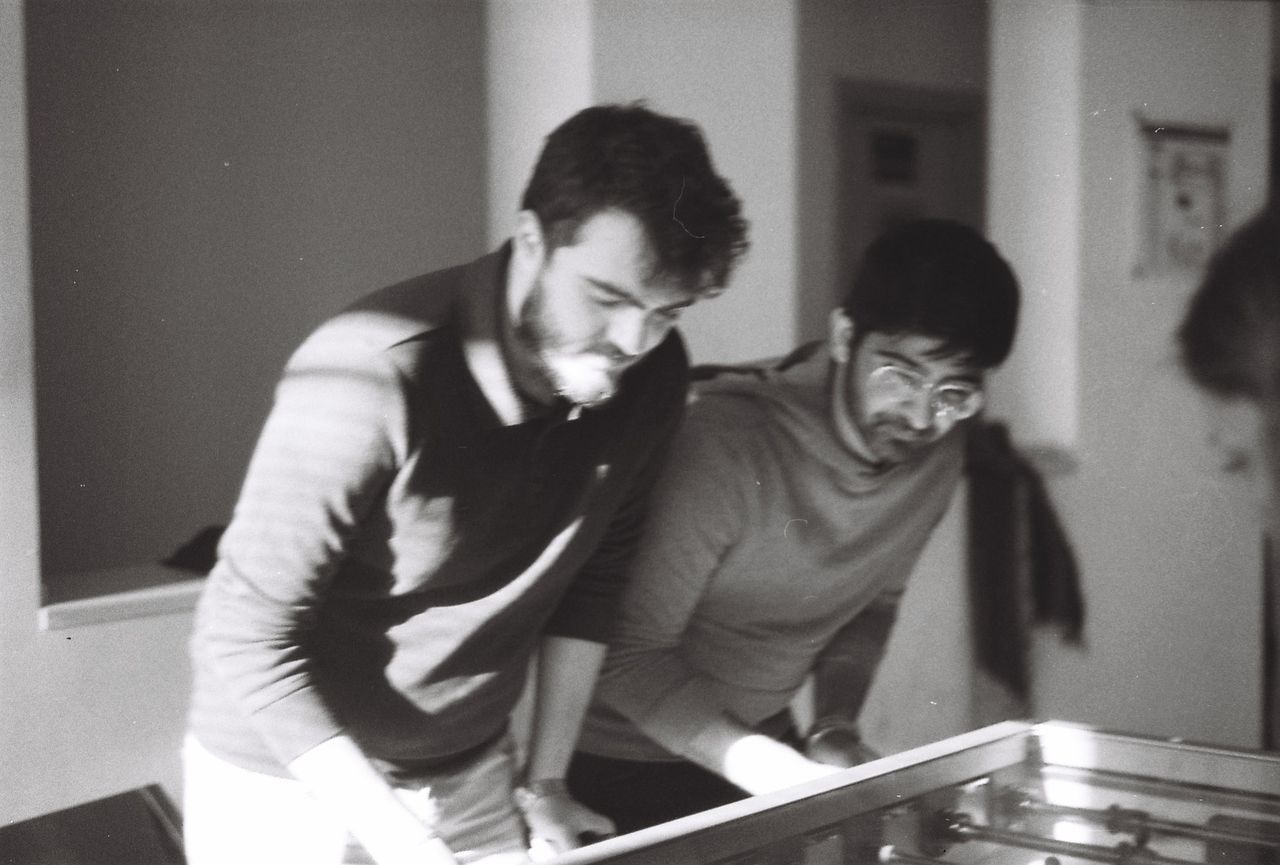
(397, 550)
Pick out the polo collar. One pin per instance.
(483, 303)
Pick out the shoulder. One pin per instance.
(722, 435)
(399, 326)
(408, 310)
(755, 391)
(730, 415)
(742, 399)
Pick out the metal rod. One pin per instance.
(1141, 824)
(891, 855)
(1122, 854)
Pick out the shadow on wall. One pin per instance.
(140, 827)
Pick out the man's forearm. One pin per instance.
(751, 760)
(340, 776)
(840, 688)
(556, 823)
(689, 721)
(843, 673)
(567, 670)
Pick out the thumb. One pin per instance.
(596, 824)
(556, 834)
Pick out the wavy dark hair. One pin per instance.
(1229, 338)
(655, 167)
(941, 279)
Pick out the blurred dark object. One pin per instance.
(1265, 852)
(140, 827)
(200, 553)
(1022, 569)
(837, 744)
(1270, 648)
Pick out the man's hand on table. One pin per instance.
(556, 821)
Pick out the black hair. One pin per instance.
(1230, 334)
(941, 279)
(651, 166)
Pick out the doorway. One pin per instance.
(904, 153)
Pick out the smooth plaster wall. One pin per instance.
(1169, 547)
(1033, 211)
(211, 180)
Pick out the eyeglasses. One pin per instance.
(949, 401)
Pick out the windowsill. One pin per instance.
(118, 594)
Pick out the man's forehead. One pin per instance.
(923, 351)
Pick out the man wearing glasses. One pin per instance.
(793, 506)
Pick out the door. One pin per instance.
(905, 153)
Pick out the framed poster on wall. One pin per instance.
(1184, 211)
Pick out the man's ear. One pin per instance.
(528, 255)
(529, 242)
(840, 336)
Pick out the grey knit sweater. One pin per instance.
(768, 536)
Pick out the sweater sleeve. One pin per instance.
(697, 512)
(589, 608)
(845, 668)
(327, 452)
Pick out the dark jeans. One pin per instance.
(635, 794)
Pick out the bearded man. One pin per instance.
(453, 477)
(797, 497)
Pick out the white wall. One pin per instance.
(1168, 547)
(1034, 186)
(208, 181)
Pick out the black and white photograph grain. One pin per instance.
(639, 432)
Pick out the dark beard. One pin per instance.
(533, 333)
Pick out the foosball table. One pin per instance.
(1015, 793)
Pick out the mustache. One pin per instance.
(539, 341)
(900, 431)
(611, 353)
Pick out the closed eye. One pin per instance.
(609, 301)
(955, 396)
(604, 294)
(902, 376)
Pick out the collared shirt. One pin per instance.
(403, 537)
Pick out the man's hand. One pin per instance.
(761, 764)
(557, 822)
(837, 743)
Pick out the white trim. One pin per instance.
(161, 591)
